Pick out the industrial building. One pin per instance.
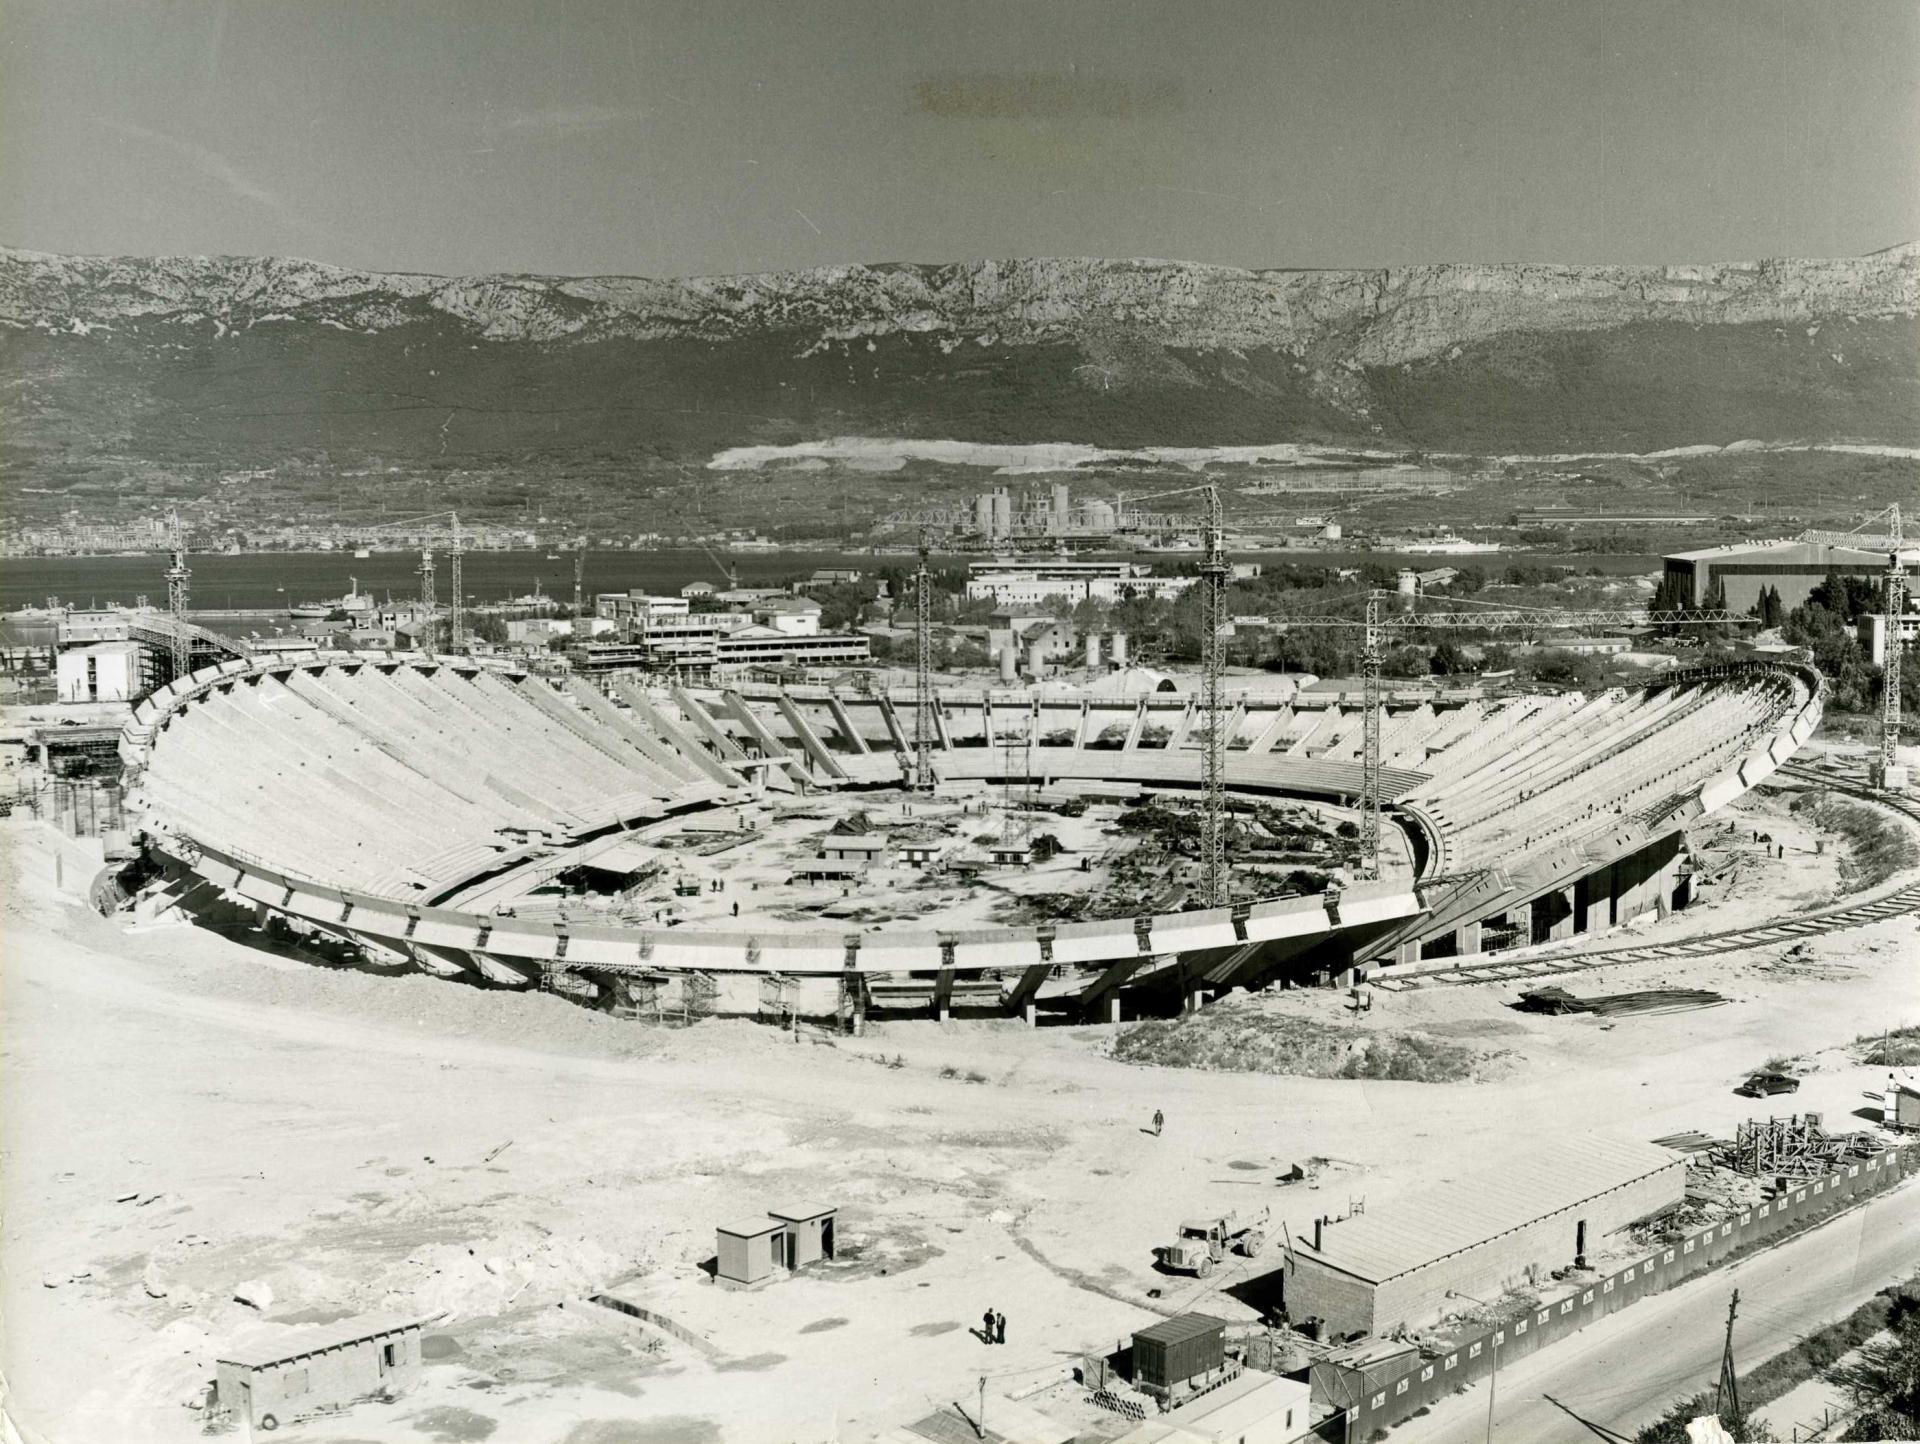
(272, 1378)
(1793, 568)
(1477, 1236)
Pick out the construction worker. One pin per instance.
(999, 1328)
(1159, 1122)
(986, 1327)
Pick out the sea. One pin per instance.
(257, 581)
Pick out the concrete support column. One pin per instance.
(1408, 952)
(1030, 1013)
(1195, 1000)
(1111, 1007)
(260, 915)
(1469, 938)
(1563, 923)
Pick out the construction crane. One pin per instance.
(1892, 776)
(579, 579)
(178, 577)
(427, 604)
(457, 616)
(732, 576)
(923, 670)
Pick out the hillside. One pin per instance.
(248, 362)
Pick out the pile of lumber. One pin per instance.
(1653, 1000)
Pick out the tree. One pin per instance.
(1449, 661)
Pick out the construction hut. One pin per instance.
(749, 1250)
(828, 869)
(809, 1234)
(1009, 853)
(920, 853)
(272, 1377)
(1903, 1106)
(1477, 1235)
(1178, 1354)
(860, 847)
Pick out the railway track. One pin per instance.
(1881, 908)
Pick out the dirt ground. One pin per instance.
(186, 1114)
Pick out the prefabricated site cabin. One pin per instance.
(1175, 1353)
(752, 1251)
(272, 1378)
(1250, 1408)
(809, 1233)
(746, 1249)
(1478, 1235)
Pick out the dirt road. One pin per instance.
(1628, 1369)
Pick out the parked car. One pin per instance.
(1764, 1085)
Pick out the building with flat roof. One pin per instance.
(99, 672)
(1250, 1408)
(1478, 1235)
(1793, 568)
(272, 1377)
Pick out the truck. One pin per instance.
(1204, 1242)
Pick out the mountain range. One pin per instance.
(235, 361)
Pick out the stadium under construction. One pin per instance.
(776, 848)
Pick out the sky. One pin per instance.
(726, 136)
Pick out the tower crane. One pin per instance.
(730, 573)
(178, 576)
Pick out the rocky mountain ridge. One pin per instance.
(1359, 317)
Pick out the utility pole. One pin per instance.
(1214, 571)
(457, 621)
(923, 675)
(1726, 1393)
(178, 576)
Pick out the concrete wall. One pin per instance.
(1315, 1291)
(320, 1381)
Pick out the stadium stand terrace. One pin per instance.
(360, 794)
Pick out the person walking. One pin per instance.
(999, 1328)
(1159, 1122)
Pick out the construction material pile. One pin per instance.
(1793, 1147)
(1653, 1000)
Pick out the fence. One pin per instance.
(1373, 1404)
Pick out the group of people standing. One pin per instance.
(993, 1327)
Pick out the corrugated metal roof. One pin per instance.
(1179, 1330)
(264, 1347)
(1452, 1217)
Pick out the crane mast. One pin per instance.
(922, 674)
(178, 577)
(1214, 571)
(457, 617)
(427, 607)
(1892, 776)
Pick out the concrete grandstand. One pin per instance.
(382, 798)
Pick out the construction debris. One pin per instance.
(1794, 1147)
